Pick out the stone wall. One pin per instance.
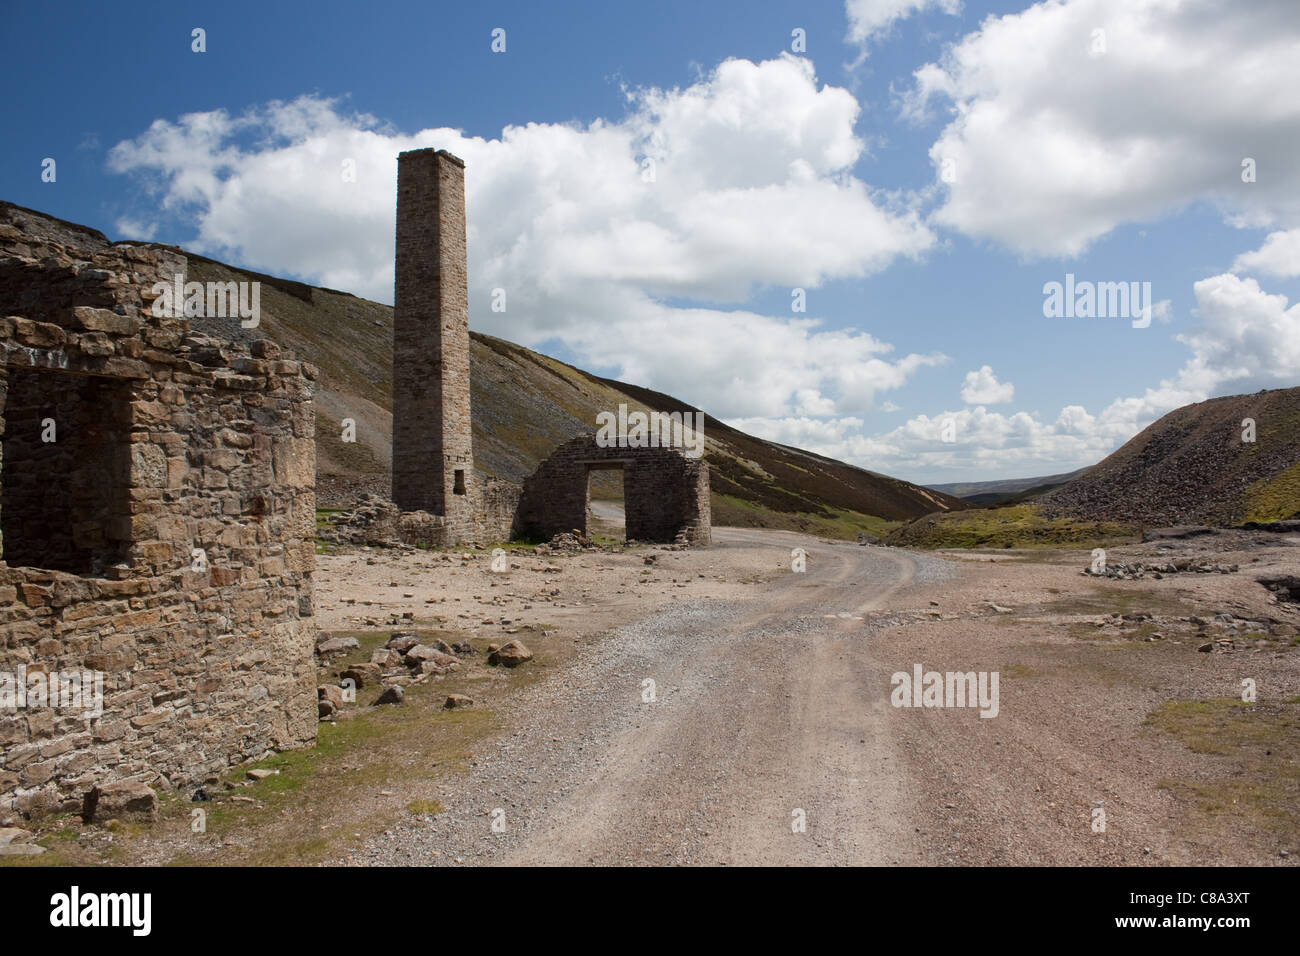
(377, 522)
(498, 504)
(666, 494)
(166, 441)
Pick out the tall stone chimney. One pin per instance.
(433, 464)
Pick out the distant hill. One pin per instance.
(1192, 467)
(525, 404)
(984, 493)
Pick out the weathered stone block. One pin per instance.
(128, 801)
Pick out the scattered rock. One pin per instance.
(392, 695)
(426, 660)
(403, 642)
(332, 694)
(128, 800)
(1286, 587)
(510, 655)
(1140, 569)
(457, 700)
(336, 645)
(418, 653)
(21, 849)
(262, 774)
(362, 675)
(442, 665)
(15, 835)
(571, 541)
(1206, 648)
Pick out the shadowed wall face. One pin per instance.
(66, 471)
(433, 465)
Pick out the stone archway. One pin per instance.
(666, 494)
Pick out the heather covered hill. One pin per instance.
(1193, 467)
(524, 405)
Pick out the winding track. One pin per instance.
(762, 709)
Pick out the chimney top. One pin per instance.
(430, 151)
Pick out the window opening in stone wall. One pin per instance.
(459, 487)
(65, 471)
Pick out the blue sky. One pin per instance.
(1094, 137)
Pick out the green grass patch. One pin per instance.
(425, 808)
(1276, 498)
(839, 523)
(1014, 526)
(1258, 747)
(1224, 725)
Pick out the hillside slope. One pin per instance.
(525, 404)
(1006, 487)
(1192, 467)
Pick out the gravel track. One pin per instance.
(760, 709)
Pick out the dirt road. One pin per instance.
(712, 706)
(739, 713)
(762, 715)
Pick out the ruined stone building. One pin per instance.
(157, 512)
(156, 526)
(667, 493)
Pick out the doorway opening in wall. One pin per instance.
(606, 511)
(458, 485)
(65, 471)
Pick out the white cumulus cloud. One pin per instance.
(1071, 118)
(983, 388)
(1278, 257)
(869, 19)
(698, 197)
